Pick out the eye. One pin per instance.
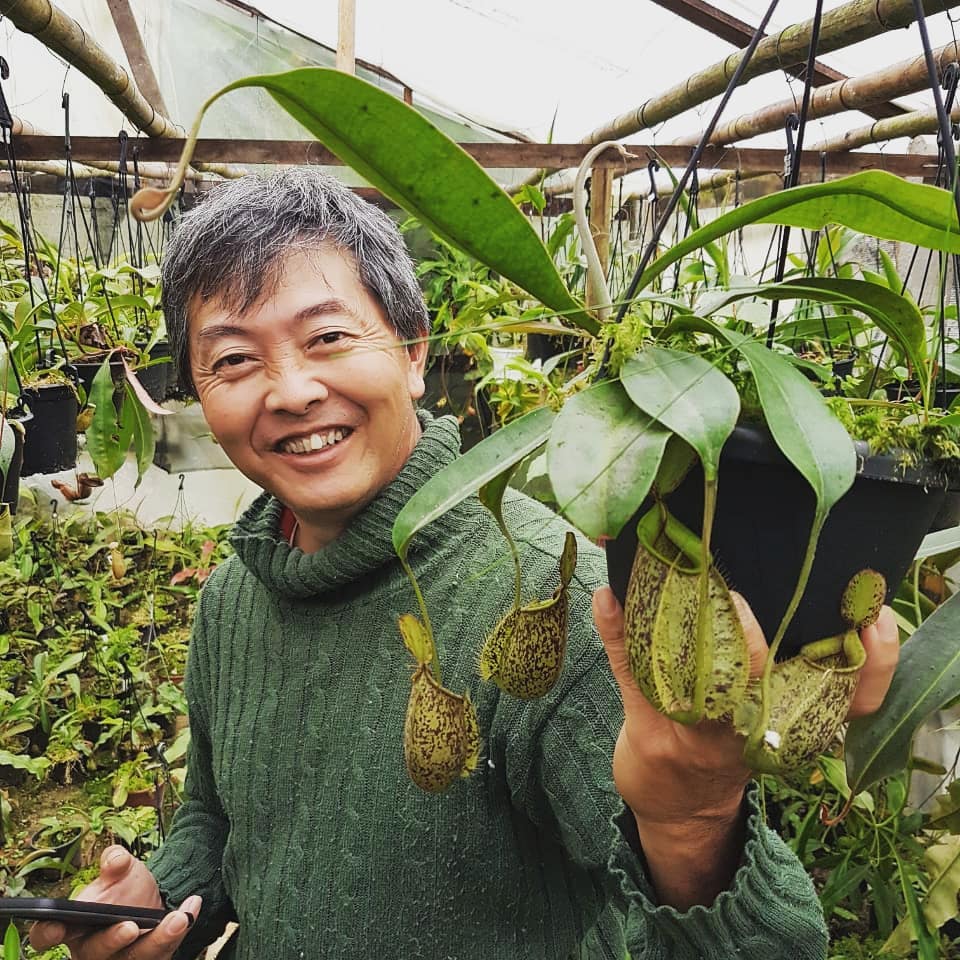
(329, 337)
(233, 360)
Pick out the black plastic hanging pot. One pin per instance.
(910, 389)
(762, 525)
(10, 482)
(51, 443)
(156, 377)
(88, 366)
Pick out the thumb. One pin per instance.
(115, 864)
(608, 617)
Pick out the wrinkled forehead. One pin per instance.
(238, 291)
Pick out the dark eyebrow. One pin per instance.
(319, 309)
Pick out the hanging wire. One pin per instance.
(794, 155)
(648, 253)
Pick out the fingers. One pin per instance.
(129, 941)
(115, 863)
(46, 934)
(752, 631)
(882, 644)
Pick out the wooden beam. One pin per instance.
(346, 36)
(489, 155)
(136, 52)
(740, 33)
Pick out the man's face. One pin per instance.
(309, 391)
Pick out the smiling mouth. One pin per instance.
(314, 441)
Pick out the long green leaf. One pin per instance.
(897, 316)
(688, 395)
(11, 943)
(602, 458)
(927, 677)
(144, 440)
(940, 903)
(874, 202)
(805, 430)
(398, 151)
(110, 432)
(479, 465)
(926, 946)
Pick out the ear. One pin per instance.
(417, 356)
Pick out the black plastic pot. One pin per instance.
(52, 433)
(156, 378)
(543, 346)
(10, 494)
(764, 513)
(910, 389)
(88, 368)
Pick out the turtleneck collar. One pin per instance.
(364, 546)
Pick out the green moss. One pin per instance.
(897, 427)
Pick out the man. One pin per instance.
(293, 309)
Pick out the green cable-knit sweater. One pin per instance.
(301, 823)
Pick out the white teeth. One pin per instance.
(316, 441)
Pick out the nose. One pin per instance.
(293, 387)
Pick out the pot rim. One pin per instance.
(753, 442)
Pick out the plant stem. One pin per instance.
(515, 554)
(704, 655)
(435, 664)
(763, 719)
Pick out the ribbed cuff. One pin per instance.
(178, 878)
(771, 904)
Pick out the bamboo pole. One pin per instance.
(855, 93)
(346, 36)
(913, 124)
(65, 37)
(845, 25)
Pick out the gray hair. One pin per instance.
(232, 246)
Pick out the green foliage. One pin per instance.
(91, 661)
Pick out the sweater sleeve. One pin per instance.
(190, 859)
(770, 909)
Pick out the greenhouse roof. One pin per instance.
(480, 69)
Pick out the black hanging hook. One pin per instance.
(124, 139)
(6, 117)
(65, 104)
(790, 158)
(652, 167)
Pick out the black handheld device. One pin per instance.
(80, 913)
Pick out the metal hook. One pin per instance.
(6, 117)
(124, 138)
(652, 167)
(789, 161)
(65, 104)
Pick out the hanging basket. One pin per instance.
(764, 514)
(51, 442)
